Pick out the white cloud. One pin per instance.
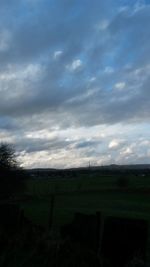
(102, 25)
(140, 4)
(123, 9)
(75, 65)
(114, 144)
(15, 72)
(108, 70)
(120, 85)
(145, 143)
(57, 54)
(77, 146)
(92, 79)
(41, 134)
(126, 151)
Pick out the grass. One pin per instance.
(84, 183)
(109, 203)
(86, 194)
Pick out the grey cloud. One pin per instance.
(59, 97)
(6, 123)
(85, 144)
(133, 30)
(31, 145)
(48, 27)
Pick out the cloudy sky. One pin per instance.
(75, 81)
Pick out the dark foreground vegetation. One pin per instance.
(79, 217)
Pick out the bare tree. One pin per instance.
(8, 159)
(11, 175)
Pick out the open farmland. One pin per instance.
(51, 205)
(88, 195)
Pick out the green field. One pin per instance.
(87, 195)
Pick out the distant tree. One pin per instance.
(11, 175)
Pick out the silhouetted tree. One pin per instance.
(11, 175)
(7, 157)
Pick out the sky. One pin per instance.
(75, 81)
